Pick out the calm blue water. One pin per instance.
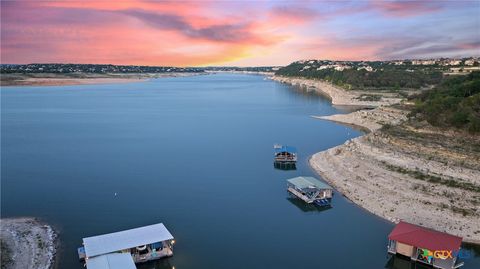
(194, 153)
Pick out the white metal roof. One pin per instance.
(111, 261)
(107, 243)
(307, 182)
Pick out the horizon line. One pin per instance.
(246, 66)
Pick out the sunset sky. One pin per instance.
(242, 33)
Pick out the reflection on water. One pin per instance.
(399, 262)
(474, 249)
(285, 166)
(308, 92)
(470, 253)
(311, 94)
(307, 207)
(156, 264)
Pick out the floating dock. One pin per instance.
(424, 245)
(137, 245)
(310, 190)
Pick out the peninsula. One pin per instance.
(419, 160)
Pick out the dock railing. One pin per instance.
(152, 255)
(392, 247)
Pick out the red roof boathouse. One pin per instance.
(424, 245)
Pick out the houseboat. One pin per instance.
(310, 190)
(423, 245)
(138, 245)
(285, 154)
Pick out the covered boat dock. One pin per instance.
(424, 245)
(140, 244)
(310, 190)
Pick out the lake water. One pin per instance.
(194, 153)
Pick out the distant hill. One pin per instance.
(445, 100)
(379, 75)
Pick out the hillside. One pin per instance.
(365, 75)
(392, 76)
(453, 103)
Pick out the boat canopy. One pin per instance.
(308, 182)
(108, 243)
(111, 261)
(285, 149)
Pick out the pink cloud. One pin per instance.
(202, 33)
(406, 8)
(470, 45)
(104, 32)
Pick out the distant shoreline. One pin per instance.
(48, 79)
(68, 81)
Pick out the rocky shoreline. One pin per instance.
(27, 243)
(399, 172)
(338, 96)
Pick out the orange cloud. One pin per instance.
(228, 32)
(134, 32)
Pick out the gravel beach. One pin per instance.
(28, 243)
